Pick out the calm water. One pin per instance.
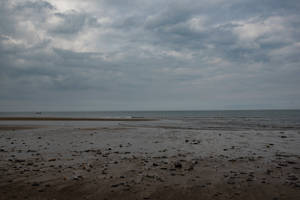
(245, 119)
(271, 114)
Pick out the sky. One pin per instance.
(74, 55)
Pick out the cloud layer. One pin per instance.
(144, 55)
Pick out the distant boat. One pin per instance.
(38, 113)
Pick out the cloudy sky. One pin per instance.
(149, 54)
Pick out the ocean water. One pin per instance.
(288, 115)
(220, 120)
(272, 114)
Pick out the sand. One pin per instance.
(161, 159)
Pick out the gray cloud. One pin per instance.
(102, 55)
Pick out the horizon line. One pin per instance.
(169, 110)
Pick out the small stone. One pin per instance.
(19, 160)
(35, 184)
(177, 165)
(292, 178)
(269, 171)
(115, 185)
(77, 177)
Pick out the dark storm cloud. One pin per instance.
(116, 54)
(38, 6)
(72, 23)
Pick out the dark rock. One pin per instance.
(35, 184)
(269, 171)
(19, 160)
(292, 178)
(77, 178)
(117, 185)
(196, 142)
(177, 165)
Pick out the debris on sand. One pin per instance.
(177, 165)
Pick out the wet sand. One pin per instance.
(162, 159)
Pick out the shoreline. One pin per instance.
(109, 160)
(71, 119)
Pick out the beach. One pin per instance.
(149, 158)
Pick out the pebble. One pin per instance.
(35, 184)
(177, 165)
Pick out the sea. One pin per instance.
(272, 114)
(288, 115)
(213, 119)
